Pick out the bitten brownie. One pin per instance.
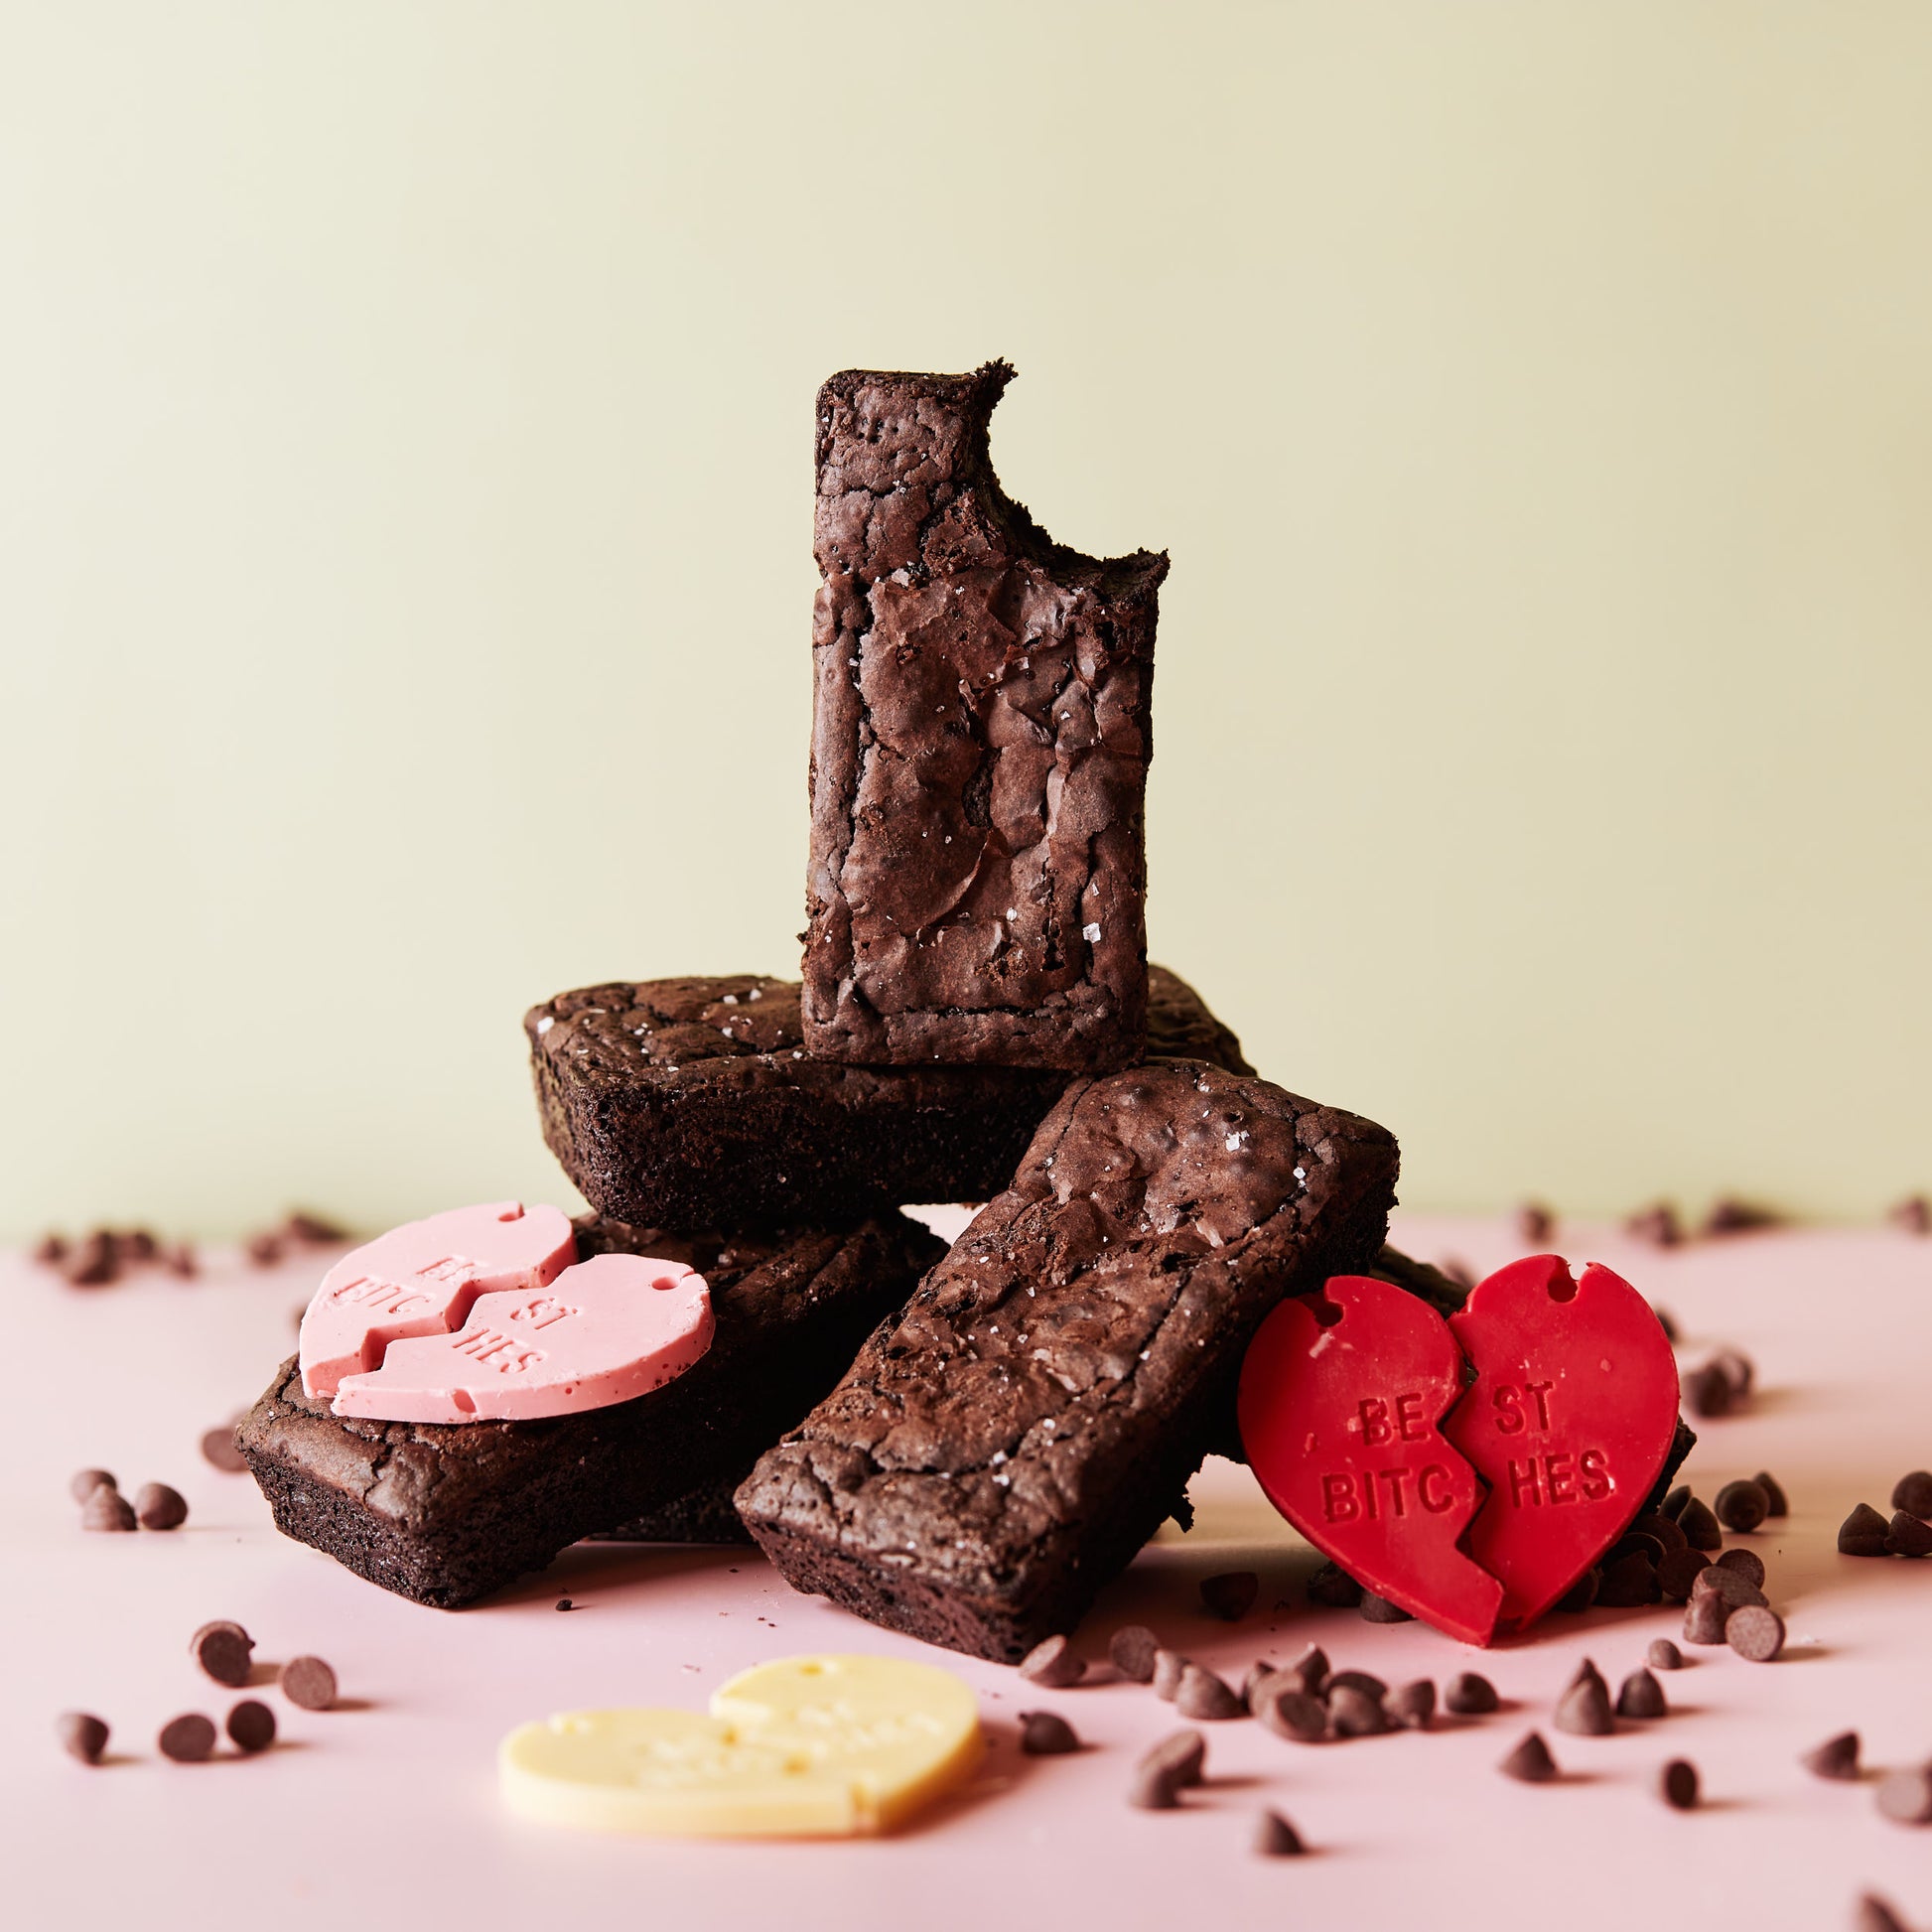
(446, 1513)
(980, 744)
(1004, 1446)
(692, 1103)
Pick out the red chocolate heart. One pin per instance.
(1569, 1422)
(1339, 1401)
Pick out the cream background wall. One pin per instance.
(405, 418)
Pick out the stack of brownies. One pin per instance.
(963, 1444)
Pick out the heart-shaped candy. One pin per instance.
(819, 1746)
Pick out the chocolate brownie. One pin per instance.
(706, 1515)
(691, 1102)
(980, 744)
(1005, 1444)
(445, 1513)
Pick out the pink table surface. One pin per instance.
(386, 1813)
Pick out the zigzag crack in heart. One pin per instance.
(1471, 1470)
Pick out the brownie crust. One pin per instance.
(446, 1513)
(980, 743)
(693, 1103)
(1005, 1444)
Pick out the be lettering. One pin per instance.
(1407, 1425)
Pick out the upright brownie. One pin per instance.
(980, 744)
(692, 1102)
(1004, 1446)
(445, 1513)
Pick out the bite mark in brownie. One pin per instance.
(693, 1103)
(980, 742)
(446, 1513)
(1006, 1443)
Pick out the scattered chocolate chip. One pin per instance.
(1755, 1632)
(1679, 1571)
(1747, 1562)
(1410, 1706)
(1628, 1581)
(1700, 1527)
(1530, 1762)
(1640, 1695)
(1733, 1586)
(1230, 1596)
(1045, 1733)
(1661, 1529)
(96, 1263)
(1584, 1673)
(81, 1736)
(1366, 1681)
(308, 1682)
(1730, 1217)
(1776, 1502)
(1905, 1797)
(1133, 1649)
(1663, 1655)
(186, 1739)
(1469, 1695)
(1704, 1618)
(1333, 1589)
(1737, 1369)
(314, 1229)
(1658, 1226)
(1913, 1215)
(1872, 1914)
(1354, 1714)
(1206, 1697)
(1673, 1504)
(263, 1250)
(251, 1723)
(218, 1448)
(1151, 1791)
(84, 1482)
(1667, 1322)
(1638, 1543)
(157, 1507)
(1864, 1533)
(1167, 1667)
(1836, 1759)
(222, 1649)
(1378, 1609)
(564, 1603)
(1584, 1710)
(1581, 1593)
(52, 1250)
(106, 1509)
(1677, 1784)
(1276, 1838)
(1708, 1393)
(1912, 1492)
(1052, 1665)
(1311, 1670)
(1535, 1224)
(1289, 1712)
(180, 1260)
(1907, 1536)
(137, 1245)
(1177, 1758)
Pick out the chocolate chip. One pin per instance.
(1167, 1667)
(1628, 1581)
(1705, 1620)
(1469, 1695)
(1864, 1533)
(263, 1250)
(1366, 1681)
(1640, 1695)
(1777, 1503)
(1052, 1665)
(186, 1739)
(1700, 1527)
(1584, 1710)
(84, 1482)
(1731, 1216)
(1311, 1670)
(1150, 1791)
(1905, 1797)
(1584, 1673)
(1276, 1838)
(222, 1649)
(1907, 1536)
(1913, 1215)
(1748, 1564)
(1205, 1696)
(1637, 1543)
(251, 1723)
(1535, 1224)
(1258, 1674)
(52, 1250)
(1667, 1322)
(1289, 1712)
(1673, 1504)
(1733, 1586)
(1333, 1589)
(1354, 1714)
(1677, 1784)
(1912, 1492)
(1530, 1762)
(1663, 1655)
(314, 1229)
(1658, 1226)
(564, 1603)
(96, 1263)
(1679, 1571)
(1178, 1760)
(218, 1450)
(1230, 1596)
(1378, 1609)
(1662, 1529)
(1755, 1632)
(106, 1509)
(308, 1682)
(1737, 1369)
(1045, 1733)
(1742, 1506)
(1410, 1706)
(157, 1507)
(81, 1736)
(1707, 1392)
(1872, 1914)
(1836, 1759)
(1581, 1593)
(1133, 1649)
